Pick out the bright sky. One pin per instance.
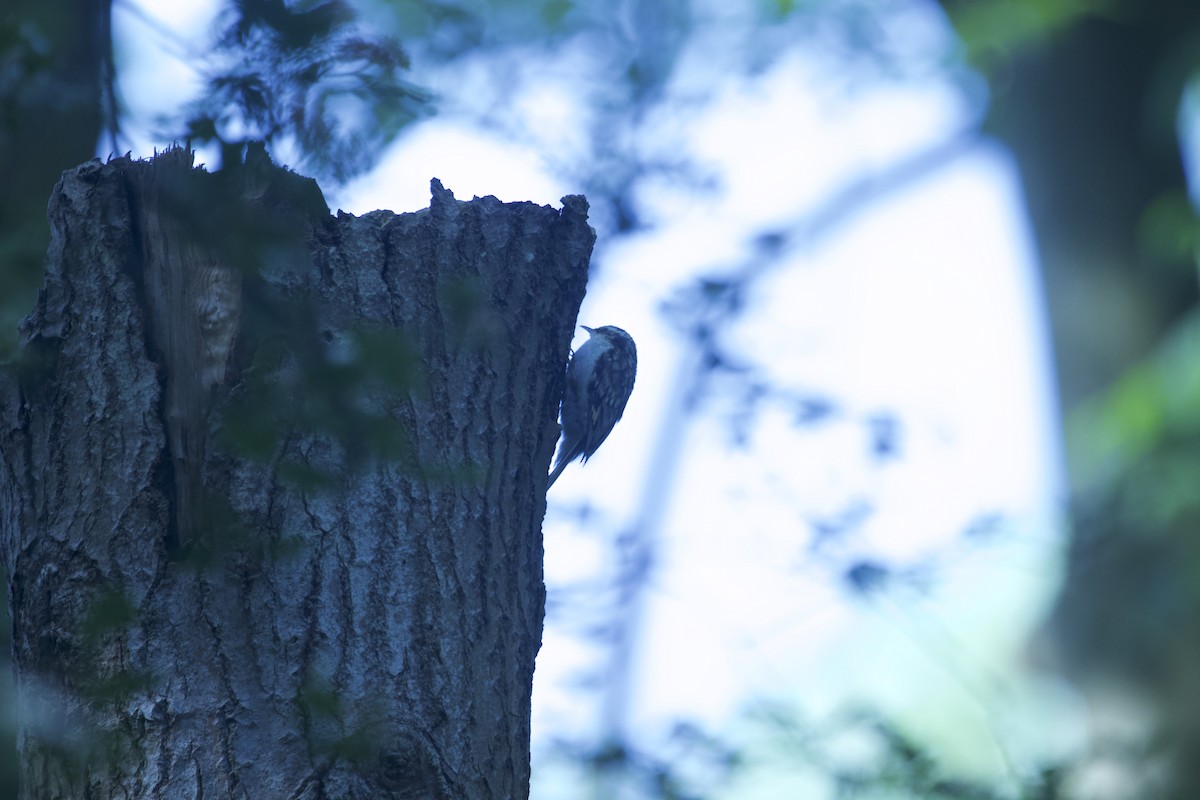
(923, 304)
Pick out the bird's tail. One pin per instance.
(565, 457)
(557, 471)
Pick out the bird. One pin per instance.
(600, 379)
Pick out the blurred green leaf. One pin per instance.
(1170, 229)
(1153, 403)
(110, 610)
(554, 11)
(993, 30)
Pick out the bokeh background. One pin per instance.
(902, 503)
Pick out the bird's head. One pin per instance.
(609, 332)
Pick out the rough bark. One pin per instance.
(291, 569)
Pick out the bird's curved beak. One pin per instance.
(589, 330)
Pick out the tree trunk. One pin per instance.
(271, 487)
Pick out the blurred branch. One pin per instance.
(700, 312)
(857, 195)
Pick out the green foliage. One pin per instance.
(853, 754)
(340, 734)
(1170, 229)
(1144, 419)
(344, 391)
(449, 29)
(110, 611)
(472, 320)
(306, 74)
(22, 251)
(992, 30)
(554, 12)
(98, 668)
(690, 764)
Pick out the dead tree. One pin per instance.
(272, 483)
